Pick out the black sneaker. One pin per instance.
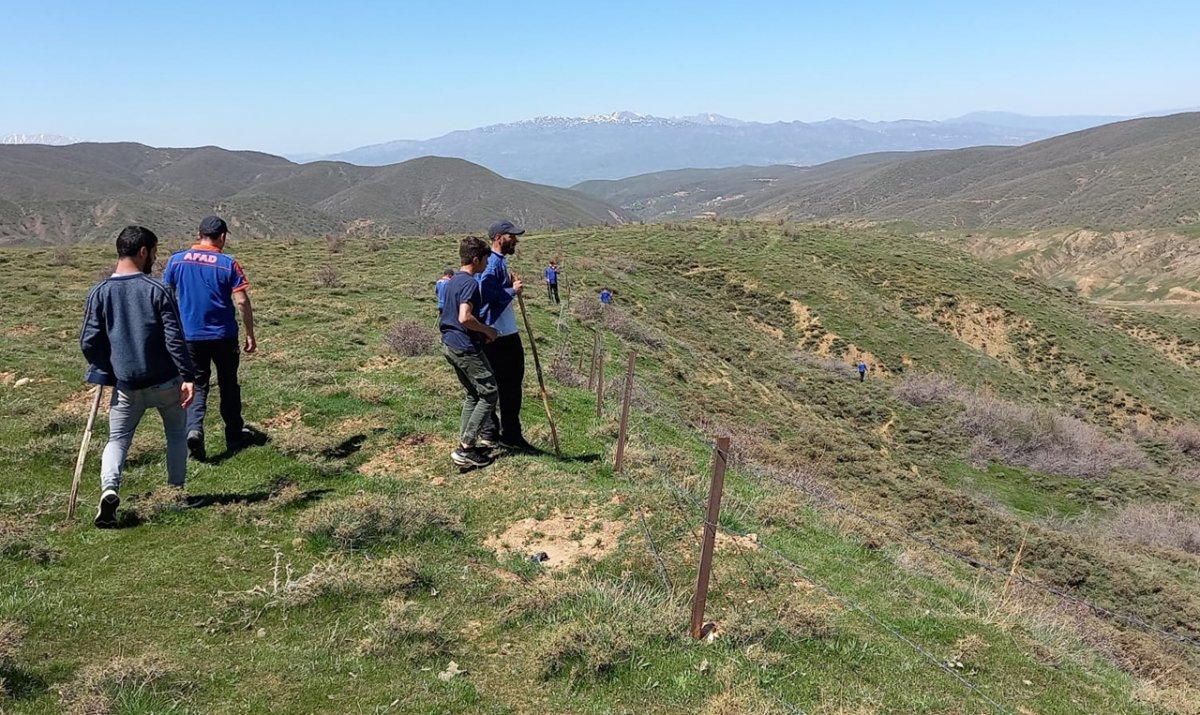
(518, 446)
(472, 457)
(239, 439)
(195, 443)
(106, 511)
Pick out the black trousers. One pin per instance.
(224, 354)
(552, 291)
(507, 357)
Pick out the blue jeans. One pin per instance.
(126, 413)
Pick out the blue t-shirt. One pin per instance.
(551, 275)
(496, 282)
(462, 288)
(440, 288)
(605, 297)
(204, 281)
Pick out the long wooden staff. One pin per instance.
(83, 448)
(537, 365)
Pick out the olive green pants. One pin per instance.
(475, 373)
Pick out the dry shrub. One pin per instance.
(927, 388)
(1163, 526)
(335, 242)
(1044, 441)
(639, 397)
(410, 338)
(624, 325)
(565, 373)
(408, 628)
(337, 579)
(1186, 438)
(364, 519)
(63, 255)
(98, 688)
(833, 366)
(1191, 474)
(587, 311)
(327, 277)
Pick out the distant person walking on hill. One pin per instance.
(464, 336)
(505, 353)
(551, 274)
(440, 287)
(210, 285)
(606, 296)
(133, 338)
(862, 371)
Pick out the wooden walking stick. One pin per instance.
(537, 366)
(83, 448)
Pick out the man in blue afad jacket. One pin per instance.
(133, 339)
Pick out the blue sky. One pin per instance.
(319, 77)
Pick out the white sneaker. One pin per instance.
(106, 511)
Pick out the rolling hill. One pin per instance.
(1004, 517)
(87, 191)
(1139, 173)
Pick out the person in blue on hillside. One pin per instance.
(440, 287)
(862, 371)
(133, 339)
(212, 290)
(551, 275)
(606, 296)
(464, 336)
(505, 353)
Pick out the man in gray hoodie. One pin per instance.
(133, 340)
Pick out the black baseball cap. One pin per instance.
(504, 227)
(213, 226)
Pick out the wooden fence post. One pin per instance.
(620, 465)
(715, 489)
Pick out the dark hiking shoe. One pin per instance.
(518, 446)
(471, 457)
(106, 511)
(239, 439)
(195, 443)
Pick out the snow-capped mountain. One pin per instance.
(48, 139)
(566, 150)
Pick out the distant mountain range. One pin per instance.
(47, 139)
(89, 191)
(1138, 173)
(566, 150)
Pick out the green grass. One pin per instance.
(226, 596)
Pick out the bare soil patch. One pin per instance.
(564, 538)
(399, 456)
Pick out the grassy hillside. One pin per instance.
(1130, 174)
(87, 191)
(345, 564)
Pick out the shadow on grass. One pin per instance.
(202, 501)
(257, 438)
(345, 448)
(20, 684)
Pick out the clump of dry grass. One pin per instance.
(831, 365)
(1042, 440)
(156, 504)
(363, 519)
(927, 388)
(415, 630)
(410, 338)
(11, 636)
(19, 539)
(1186, 438)
(97, 688)
(778, 618)
(327, 277)
(1163, 526)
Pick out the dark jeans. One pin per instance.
(224, 354)
(552, 291)
(507, 357)
(479, 406)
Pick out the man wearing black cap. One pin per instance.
(209, 285)
(505, 353)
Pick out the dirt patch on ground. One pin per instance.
(380, 363)
(1168, 346)
(80, 403)
(728, 542)
(564, 538)
(361, 424)
(21, 331)
(765, 328)
(984, 328)
(284, 420)
(7, 378)
(400, 455)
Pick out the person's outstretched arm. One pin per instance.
(242, 300)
